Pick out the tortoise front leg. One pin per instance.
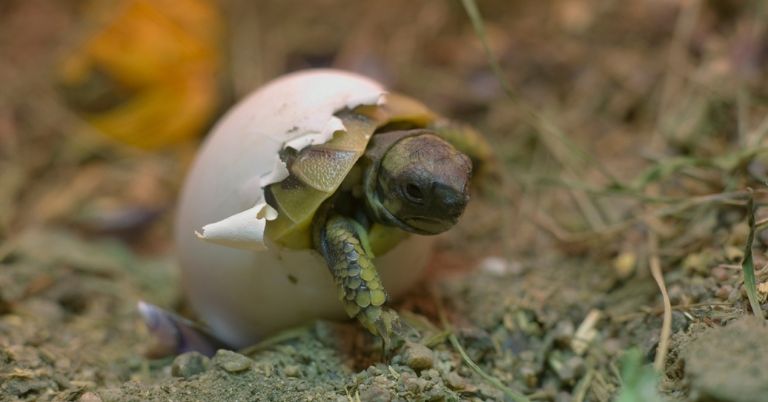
(344, 244)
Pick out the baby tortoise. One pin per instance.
(395, 169)
(398, 169)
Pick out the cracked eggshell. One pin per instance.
(237, 285)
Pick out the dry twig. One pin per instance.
(666, 326)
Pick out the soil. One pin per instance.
(633, 136)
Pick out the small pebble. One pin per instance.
(529, 373)
(625, 263)
(89, 397)
(576, 365)
(412, 383)
(563, 370)
(563, 396)
(455, 381)
(679, 321)
(676, 294)
(720, 274)
(494, 265)
(232, 362)
(612, 347)
(376, 391)
(417, 356)
(265, 368)
(762, 287)
(188, 364)
(430, 374)
(292, 370)
(563, 332)
(733, 253)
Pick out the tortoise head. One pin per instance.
(417, 181)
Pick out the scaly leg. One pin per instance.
(344, 244)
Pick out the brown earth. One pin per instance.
(649, 125)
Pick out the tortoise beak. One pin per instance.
(429, 226)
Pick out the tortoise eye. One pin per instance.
(413, 193)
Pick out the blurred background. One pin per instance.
(627, 132)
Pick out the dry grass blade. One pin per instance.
(477, 23)
(283, 336)
(742, 115)
(580, 391)
(730, 198)
(748, 265)
(760, 132)
(666, 325)
(676, 63)
(510, 393)
(565, 151)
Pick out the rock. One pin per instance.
(430, 374)
(455, 381)
(679, 322)
(575, 367)
(110, 394)
(188, 364)
(498, 266)
(563, 332)
(376, 391)
(728, 363)
(89, 397)
(23, 383)
(292, 370)
(529, 373)
(724, 292)
(563, 396)
(413, 383)
(417, 356)
(232, 362)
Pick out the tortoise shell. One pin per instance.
(317, 171)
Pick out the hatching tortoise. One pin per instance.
(379, 168)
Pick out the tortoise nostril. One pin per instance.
(451, 200)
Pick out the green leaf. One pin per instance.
(748, 265)
(639, 380)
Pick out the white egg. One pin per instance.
(241, 287)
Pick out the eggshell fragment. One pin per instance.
(242, 230)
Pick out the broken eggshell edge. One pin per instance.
(297, 131)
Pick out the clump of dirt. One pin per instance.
(70, 322)
(314, 363)
(531, 339)
(728, 363)
(307, 372)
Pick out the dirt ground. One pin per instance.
(631, 140)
